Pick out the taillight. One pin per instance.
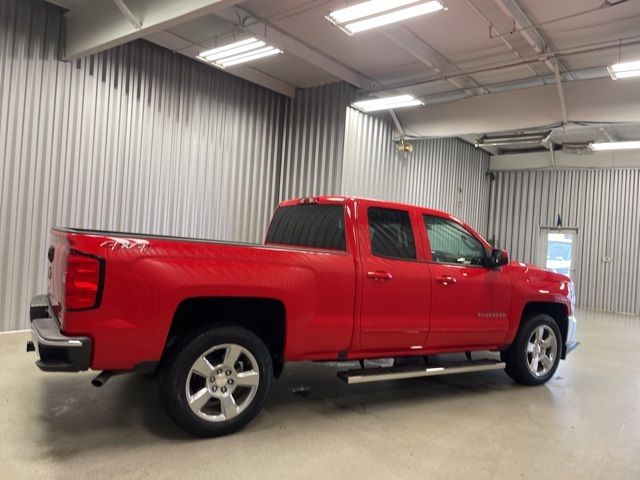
(82, 281)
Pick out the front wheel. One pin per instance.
(534, 356)
(217, 381)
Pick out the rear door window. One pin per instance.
(311, 225)
(391, 234)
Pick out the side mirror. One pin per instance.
(498, 258)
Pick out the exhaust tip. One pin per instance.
(97, 382)
(103, 377)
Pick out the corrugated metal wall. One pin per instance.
(446, 174)
(313, 147)
(139, 139)
(133, 139)
(604, 205)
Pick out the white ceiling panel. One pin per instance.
(503, 75)
(457, 32)
(208, 31)
(603, 57)
(548, 11)
(70, 4)
(432, 88)
(298, 72)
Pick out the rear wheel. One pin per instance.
(533, 357)
(217, 381)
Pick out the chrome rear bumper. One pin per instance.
(57, 352)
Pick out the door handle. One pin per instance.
(446, 280)
(379, 275)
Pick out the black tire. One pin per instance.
(178, 371)
(518, 359)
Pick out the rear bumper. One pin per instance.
(57, 352)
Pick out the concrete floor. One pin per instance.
(584, 423)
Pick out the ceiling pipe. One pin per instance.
(135, 21)
(396, 120)
(563, 106)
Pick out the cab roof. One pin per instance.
(342, 199)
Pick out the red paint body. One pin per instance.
(337, 304)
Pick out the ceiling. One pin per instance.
(474, 48)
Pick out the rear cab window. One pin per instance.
(309, 225)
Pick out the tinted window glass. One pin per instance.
(450, 243)
(390, 233)
(317, 226)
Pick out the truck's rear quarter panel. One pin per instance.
(146, 279)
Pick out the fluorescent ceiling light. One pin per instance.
(376, 13)
(392, 17)
(228, 47)
(234, 51)
(263, 52)
(615, 145)
(624, 70)
(366, 9)
(399, 101)
(238, 52)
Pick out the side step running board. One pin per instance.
(366, 375)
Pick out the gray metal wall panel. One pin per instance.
(133, 139)
(605, 207)
(139, 139)
(314, 140)
(445, 174)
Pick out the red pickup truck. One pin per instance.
(338, 278)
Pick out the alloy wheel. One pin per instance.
(222, 382)
(542, 350)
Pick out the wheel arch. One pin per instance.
(265, 317)
(557, 311)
